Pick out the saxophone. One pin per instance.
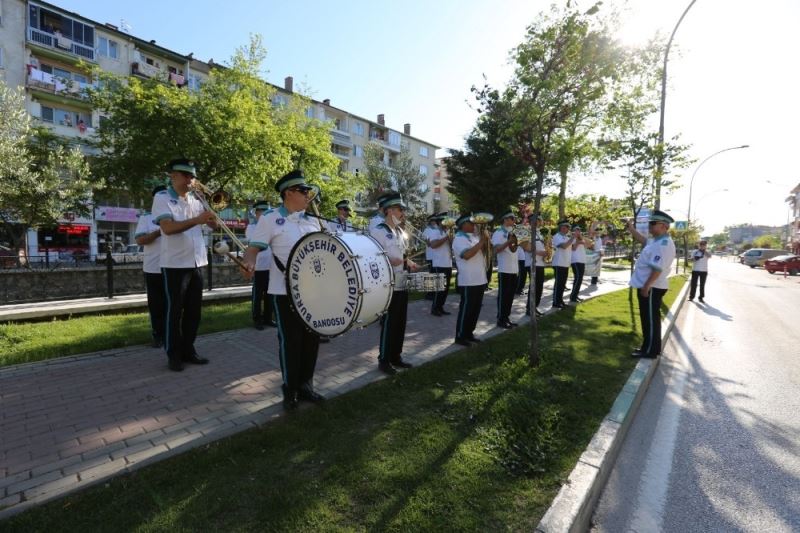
(548, 249)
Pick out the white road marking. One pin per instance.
(653, 485)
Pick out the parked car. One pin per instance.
(133, 253)
(756, 256)
(789, 263)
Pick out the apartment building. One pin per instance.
(793, 229)
(44, 49)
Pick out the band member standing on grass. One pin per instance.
(441, 261)
(260, 300)
(562, 258)
(578, 263)
(650, 279)
(280, 229)
(505, 248)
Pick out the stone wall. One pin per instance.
(21, 286)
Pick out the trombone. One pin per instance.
(213, 201)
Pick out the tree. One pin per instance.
(240, 133)
(768, 241)
(397, 174)
(485, 176)
(41, 175)
(566, 64)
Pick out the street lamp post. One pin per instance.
(660, 160)
(691, 187)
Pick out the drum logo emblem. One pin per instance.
(374, 270)
(280, 221)
(317, 265)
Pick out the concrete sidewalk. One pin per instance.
(72, 422)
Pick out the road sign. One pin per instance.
(681, 224)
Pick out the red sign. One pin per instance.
(74, 229)
(236, 224)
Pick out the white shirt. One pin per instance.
(429, 234)
(521, 254)
(441, 256)
(562, 257)
(374, 221)
(598, 245)
(186, 249)
(472, 271)
(393, 242)
(579, 253)
(280, 231)
(338, 225)
(264, 257)
(700, 260)
(152, 251)
(657, 255)
(540, 247)
(506, 260)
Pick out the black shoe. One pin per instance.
(175, 365)
(559, 306)
(503, 324)
(539, 314)
(443, 312)
(259, 326)
(158, 342)
(473, 338)
(511, 324)
(637, 353)
(272, 324)
(195, 359)
(401, 364)
(701, 300)
(462, 342)
(290, 400)
(386, 368)
(436, 312)
(307, 393)
(691, 298)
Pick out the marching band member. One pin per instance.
(180, 215)
(578, 262)
(147, 231)
(279, 230)
(597, 238)
(378, 217)
(468, 251)
(438, 240)
(393, 323)
(505, 250)
(260, 300)
(650, 278)
(432, 225)
(562, 258)
(340, 224)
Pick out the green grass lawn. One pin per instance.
(476, 441)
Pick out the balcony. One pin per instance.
(146, 70)
(59, 43)
(39, 80)
(340, 139)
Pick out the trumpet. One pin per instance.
(212, 202)
(481, 219)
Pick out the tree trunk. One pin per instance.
(533, 356)
(562, 195)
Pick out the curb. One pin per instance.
(572, 508)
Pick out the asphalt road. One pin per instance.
(715, 445)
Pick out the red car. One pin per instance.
(791, 263)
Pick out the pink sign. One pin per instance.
(116, 214)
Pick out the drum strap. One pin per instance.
(279, 263)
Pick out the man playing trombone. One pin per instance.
(438, 239)
(180, 215)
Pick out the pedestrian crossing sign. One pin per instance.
(681, 224)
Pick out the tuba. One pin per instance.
(480, 220)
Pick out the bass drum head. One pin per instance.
(325, 283)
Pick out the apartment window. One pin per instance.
(51, 22)
(358, 151)
(423, 151)
(107, 47)
(194, 82)
(423, 170)
(358, 128)
(65, 117)
(47, 114)
(394, 138)
(310, 111)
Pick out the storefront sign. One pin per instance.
(236, 224)
(73, 229)
(116, 214)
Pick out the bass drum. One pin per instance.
(338, 281)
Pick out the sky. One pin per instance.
(732, 76)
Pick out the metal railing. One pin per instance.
(67, 45)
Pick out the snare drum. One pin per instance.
(425, 282)
(338, 281)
